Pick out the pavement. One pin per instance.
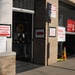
(60, 68)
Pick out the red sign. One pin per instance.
(39, 33)
(70, 25)
(5, 30)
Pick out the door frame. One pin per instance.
(23, 10)
(30, 12)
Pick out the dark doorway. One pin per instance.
(22, 35)
(70, 44)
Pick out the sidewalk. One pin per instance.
(60, 68)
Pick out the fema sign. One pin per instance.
(5, 30)
(61, 34)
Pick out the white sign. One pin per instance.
(52, 31)
(3, 44)
(5, 30)
(52, 11)
(39, 33)
(61, 33)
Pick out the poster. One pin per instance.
(3, 44)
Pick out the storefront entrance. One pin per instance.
(22, 35)
(70, 44)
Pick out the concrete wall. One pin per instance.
(6, 18)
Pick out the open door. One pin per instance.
(22, 35)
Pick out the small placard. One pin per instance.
(3, 44)
(52, 31)
(39, 33)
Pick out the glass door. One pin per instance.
(22, 35)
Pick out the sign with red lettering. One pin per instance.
(39, 33)
(61, 33)
(5, 30)
(70, 25)
(52, 10)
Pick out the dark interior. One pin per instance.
(70, 44)
(22, 35)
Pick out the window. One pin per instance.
(25, 4)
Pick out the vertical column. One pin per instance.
(7, 59)
(39, 43)
(51, 44)
(6, 18)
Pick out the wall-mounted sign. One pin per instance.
(61, 33)
(70, 25)
(52, 31)
(5, 30)
(39, 33)
(3, 44)
(52, 10)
